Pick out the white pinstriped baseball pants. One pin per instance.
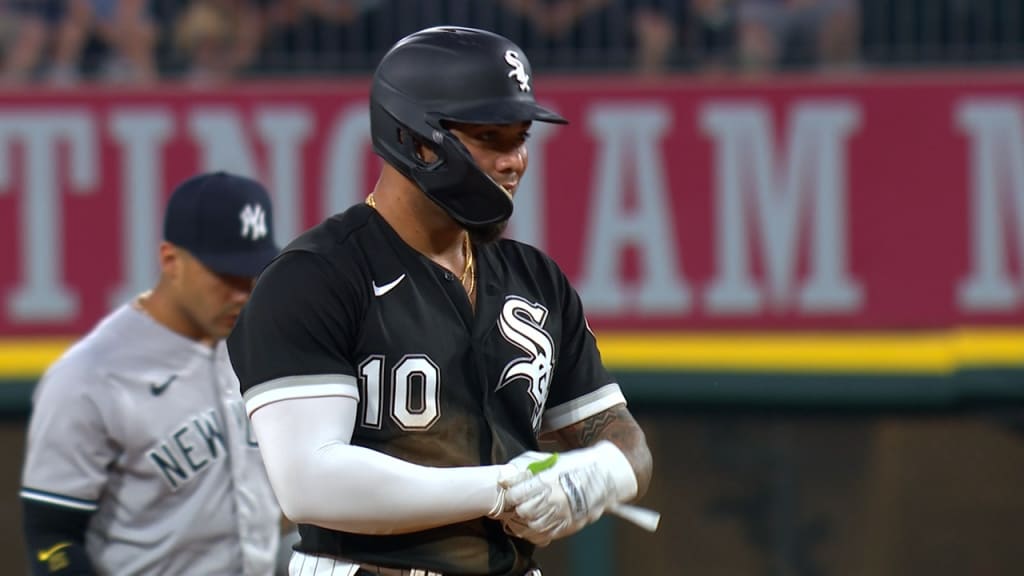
(302, 564)
(310, 565)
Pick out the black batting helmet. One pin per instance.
(451, 74)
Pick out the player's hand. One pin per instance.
(571, 494)
(515, 472)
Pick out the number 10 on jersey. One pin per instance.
(415, 392)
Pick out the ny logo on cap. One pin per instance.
(518, 70)
(254, 221)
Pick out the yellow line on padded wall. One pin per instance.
(29, 357)
(923, 352)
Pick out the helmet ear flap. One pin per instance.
(452, 179)
(462, 189)
(414, 146)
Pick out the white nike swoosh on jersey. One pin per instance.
(382, 290)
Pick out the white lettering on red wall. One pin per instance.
(790, 204)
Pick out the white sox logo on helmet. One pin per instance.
(518, 70)
(521, 323)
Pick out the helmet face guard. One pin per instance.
(457, 75)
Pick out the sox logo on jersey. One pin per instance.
(522, 324)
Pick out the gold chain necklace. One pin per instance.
(468, 270)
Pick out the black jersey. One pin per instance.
(349, 303)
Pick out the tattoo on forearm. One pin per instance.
(617, 426)
(592, 429)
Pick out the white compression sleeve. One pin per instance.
(319, 478)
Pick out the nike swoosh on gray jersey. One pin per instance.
(382, 290)
(158, 389)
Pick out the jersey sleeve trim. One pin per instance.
(583, 407)
(312, 386)
(58, 500)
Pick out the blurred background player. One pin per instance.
(218, 38)
(776, 33)
(26, 28)
(396, 356)
(139, 459)
(124, 27)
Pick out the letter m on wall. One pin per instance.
(792, 198)
(995, 132)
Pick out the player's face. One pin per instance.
(500, 151)
(211, 302)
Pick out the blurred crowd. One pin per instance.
(63, 42)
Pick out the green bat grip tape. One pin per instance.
(541, 465)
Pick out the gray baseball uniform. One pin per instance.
(146, 429)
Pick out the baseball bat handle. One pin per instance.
(643, 517)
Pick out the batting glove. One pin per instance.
(571, 494)
(515, 472)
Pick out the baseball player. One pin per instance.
(399, 361)
(139, 459)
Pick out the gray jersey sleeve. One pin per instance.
(68, 448)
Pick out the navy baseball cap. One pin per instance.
(225, 221)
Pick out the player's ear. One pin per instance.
(171, 260)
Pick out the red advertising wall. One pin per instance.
(706, 224)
